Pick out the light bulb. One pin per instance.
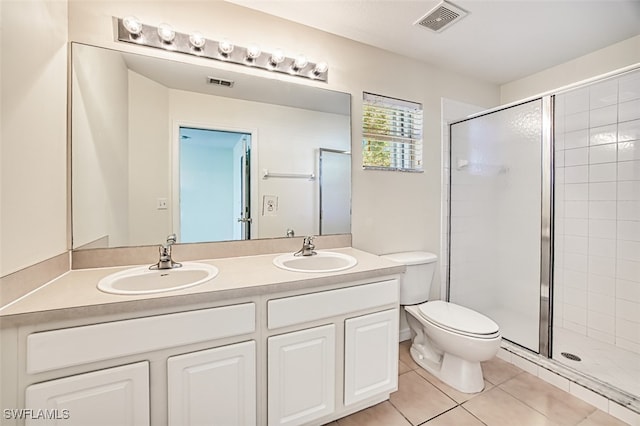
(197, 40)
(225, 47)
(132, 24)
(253, 52)
(320, 68)
(166, 33)
(277, 57)
(300, 62)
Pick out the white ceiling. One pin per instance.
(498, 41)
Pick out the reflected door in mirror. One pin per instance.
(214, 185)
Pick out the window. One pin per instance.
(391, 134)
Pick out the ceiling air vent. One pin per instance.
(441, 17)
(220, 81)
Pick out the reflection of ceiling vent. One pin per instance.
(220, 81)
(441, 17)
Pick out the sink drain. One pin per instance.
(571, 356)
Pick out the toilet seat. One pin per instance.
(458, 319)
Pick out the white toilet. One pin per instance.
(448, 340)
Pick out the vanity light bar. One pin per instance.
(131, 30)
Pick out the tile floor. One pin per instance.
(511, 397)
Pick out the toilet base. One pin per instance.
(462, 375)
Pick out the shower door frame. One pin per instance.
(546, 212)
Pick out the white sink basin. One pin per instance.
(322, 261)
(142, 280)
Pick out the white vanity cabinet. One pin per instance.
(185, 368)
(213, 387)
(113, 396)
(299, 349)
(301, 375)
(342, 358)
(370, 355)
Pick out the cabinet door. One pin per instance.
(371, 355)
(213, 387)
(114, 396)
(301, 375)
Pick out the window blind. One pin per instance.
(391, 134)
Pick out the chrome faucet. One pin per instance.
(307, 247)
(166, 262)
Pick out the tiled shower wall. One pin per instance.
(597, 211)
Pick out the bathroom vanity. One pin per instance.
(255, 345)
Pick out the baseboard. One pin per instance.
(405, 334)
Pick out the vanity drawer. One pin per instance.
(326, 304)
(49, 350)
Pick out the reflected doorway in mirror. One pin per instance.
(214, 176)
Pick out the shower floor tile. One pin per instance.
(606, 362)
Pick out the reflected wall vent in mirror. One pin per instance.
(132, 30)
(220, 81)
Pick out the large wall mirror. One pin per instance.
(161, 146)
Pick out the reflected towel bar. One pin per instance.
(266, 175)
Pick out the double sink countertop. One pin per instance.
(75, 293)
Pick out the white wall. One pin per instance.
(412, 199)
(623, 54)
(100, 153)
(33, 192)
(149, 165)
(287, 140)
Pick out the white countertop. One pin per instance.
(76, 293)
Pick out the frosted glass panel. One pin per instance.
(495, 218)
(335, 196)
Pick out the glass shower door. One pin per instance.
(495, 222)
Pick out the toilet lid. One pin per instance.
(458, 318)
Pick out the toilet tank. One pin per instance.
(415, 283)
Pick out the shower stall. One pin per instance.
(544, 229)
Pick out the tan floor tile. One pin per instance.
(456, 417)
(383, 414)
(418, 400)
(497, 371)
(554, 403)
(497, 408)
(405, 356)
(600, 418)
(403, 368)
(452, 393)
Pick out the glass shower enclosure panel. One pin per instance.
(495, 218)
